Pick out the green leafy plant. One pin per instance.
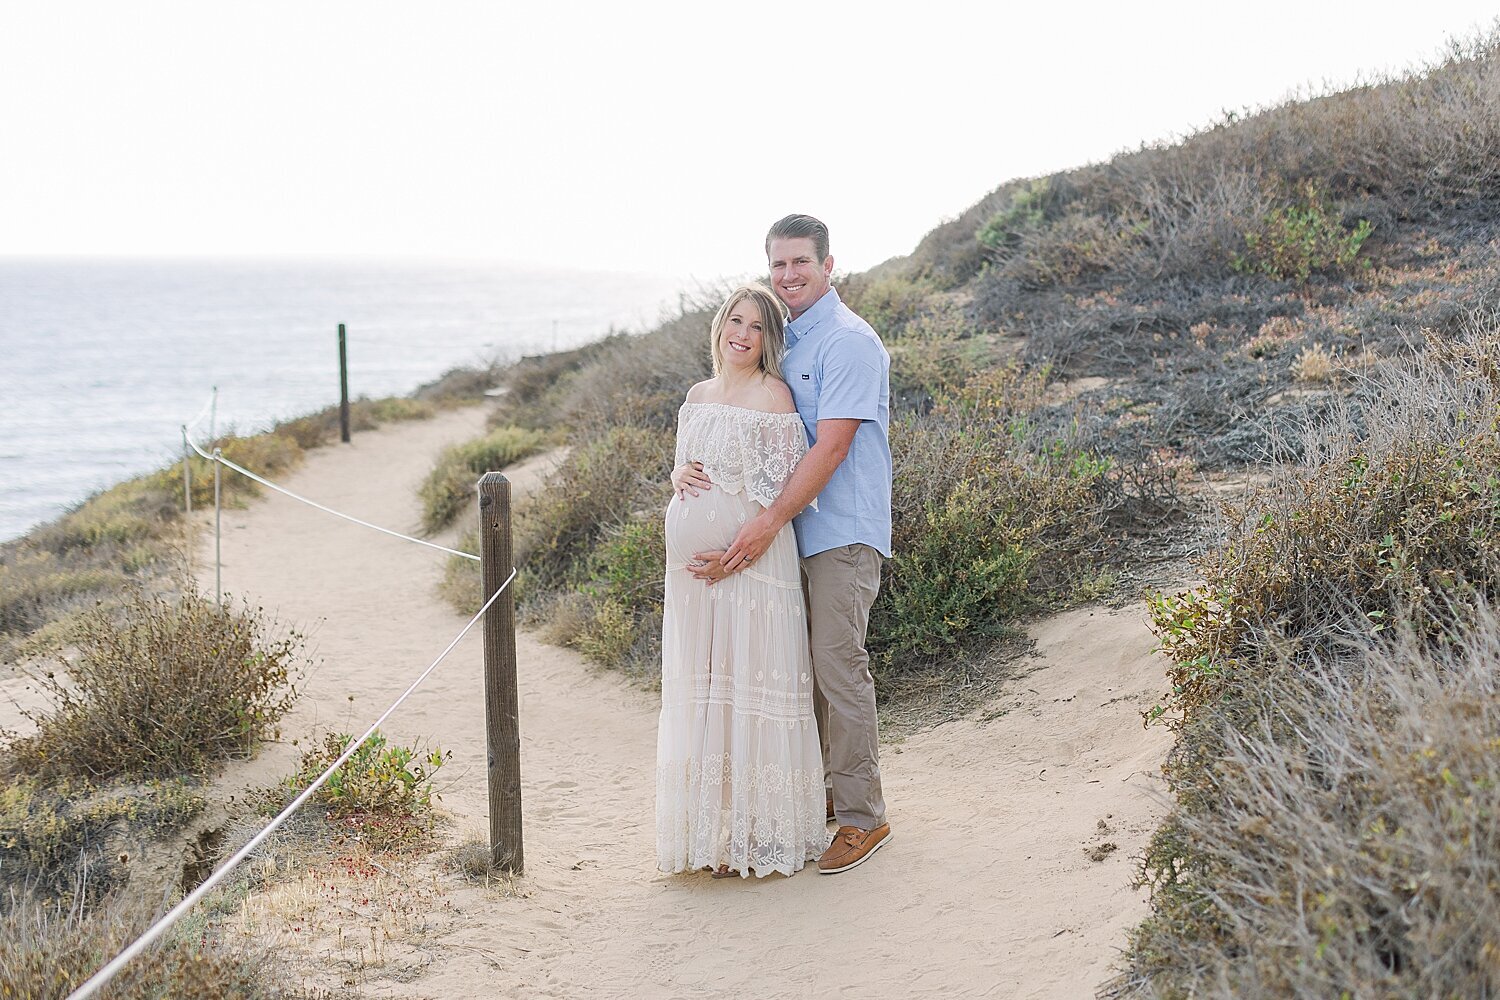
(1298, 240)
(383, 793)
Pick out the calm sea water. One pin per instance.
(102, 360)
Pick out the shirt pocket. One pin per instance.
(805, 386)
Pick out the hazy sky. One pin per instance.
(652, 137)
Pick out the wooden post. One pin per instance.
(502, 720)
(343, 388)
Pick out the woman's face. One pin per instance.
(740, 340)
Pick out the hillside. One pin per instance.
(1262, 357)
(1251, 379)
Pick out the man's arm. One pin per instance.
(806, 482)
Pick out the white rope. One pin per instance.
(328, 510)
(203, 412)
(157, 929)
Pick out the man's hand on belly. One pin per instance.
(706, 567)
(751, 543)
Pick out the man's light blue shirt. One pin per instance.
(837, 368)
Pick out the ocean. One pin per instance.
(102, 360)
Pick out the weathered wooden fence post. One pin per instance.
(343, 388)
(502, 720)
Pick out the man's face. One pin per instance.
(797, 276)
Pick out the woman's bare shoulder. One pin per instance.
(776, 397)
(701, 392)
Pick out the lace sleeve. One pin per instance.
(742, 450)
(779, 445)
(680, 456)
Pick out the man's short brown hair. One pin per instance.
(795, 227)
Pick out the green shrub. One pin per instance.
(624, 594)
(160, 686)
(622, 473)
(889, 304)
(1298, 240)
(382, 794)
(1333, 687)
(1026, 210)
(449, 487)
(989, 522)
(1404, 524)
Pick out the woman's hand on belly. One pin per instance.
(706, 566)
(689, 478)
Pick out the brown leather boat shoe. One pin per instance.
(850, 846)
(830, 810)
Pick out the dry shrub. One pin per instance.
(317, 429)
(160, 686)
(1274, 334)
(1352, 848)
(1314, 363)
(455, 387)
(1400, 148)
(449, 487)
(635, 379)
(56, 838)
(1396, 511)
(37, 587)
(1335, 679)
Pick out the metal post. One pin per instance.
(343, 388)
(187, 475)
(218, 532)
(213, 415)
(502, 719)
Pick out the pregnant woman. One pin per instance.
(739, 774)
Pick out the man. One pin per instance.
(839, 374)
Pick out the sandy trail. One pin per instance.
(986, 890)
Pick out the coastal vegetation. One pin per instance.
(1251, 378)
(1262, 357)
(142, 687)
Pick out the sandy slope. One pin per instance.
(986, 890)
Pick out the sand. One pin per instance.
(989, 888)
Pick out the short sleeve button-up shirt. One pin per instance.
(837, 368)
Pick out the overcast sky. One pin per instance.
(650, 137)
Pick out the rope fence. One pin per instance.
(156, 930)
(502, 729)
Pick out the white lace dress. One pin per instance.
(739, 772)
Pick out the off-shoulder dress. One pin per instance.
(739, 775)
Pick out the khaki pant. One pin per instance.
(841, 584)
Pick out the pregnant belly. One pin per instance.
(705, 523)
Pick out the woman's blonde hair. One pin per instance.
(773, 328)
